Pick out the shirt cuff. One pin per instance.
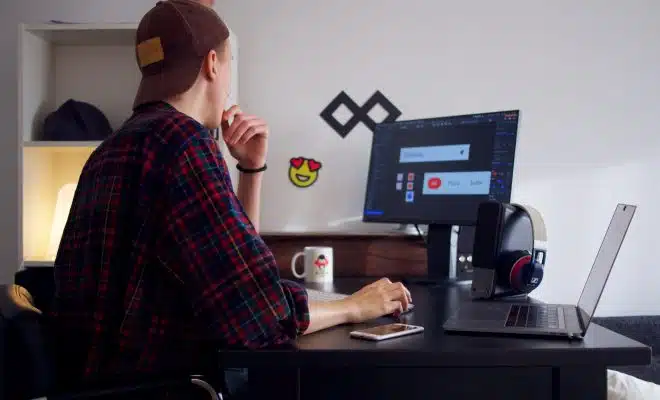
(296, 296)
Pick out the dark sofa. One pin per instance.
(644, 329)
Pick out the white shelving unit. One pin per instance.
(91, 62)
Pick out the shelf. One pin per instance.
(85, 34)
(68, 147)
(37, 263)
(63, 143)
(92, 63)
(89, 62)
(45, 171)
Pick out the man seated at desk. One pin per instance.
(160, 264)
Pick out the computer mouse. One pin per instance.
(410, 308)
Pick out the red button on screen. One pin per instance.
(434, 183)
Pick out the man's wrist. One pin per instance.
(251, 164)
(349, 310)
(251, 168)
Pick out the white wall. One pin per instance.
(584, 75)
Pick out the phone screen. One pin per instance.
(388, 329)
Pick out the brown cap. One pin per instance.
(171, 42)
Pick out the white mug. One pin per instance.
(318, 265)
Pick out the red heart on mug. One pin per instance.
(313, 165)
(297, 162)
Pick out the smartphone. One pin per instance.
(389, 331)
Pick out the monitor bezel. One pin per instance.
(422, 221)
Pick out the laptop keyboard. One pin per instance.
(533, 316)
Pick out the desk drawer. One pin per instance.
(427, 383)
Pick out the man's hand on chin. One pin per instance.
(247, 140)
(246, 137)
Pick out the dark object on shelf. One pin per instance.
(76, 121)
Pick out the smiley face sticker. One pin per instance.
(303, 172)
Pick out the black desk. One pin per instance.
(434, 364)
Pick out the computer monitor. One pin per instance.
(437, 171)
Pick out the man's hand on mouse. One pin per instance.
(377, 299)
(246, 137)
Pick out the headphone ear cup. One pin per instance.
(536, 276)
(515, 270)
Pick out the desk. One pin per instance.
(437, 365)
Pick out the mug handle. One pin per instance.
(293, 265)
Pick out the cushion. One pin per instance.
(622, 386)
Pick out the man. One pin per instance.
(160, 263)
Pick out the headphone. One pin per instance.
(521, 271)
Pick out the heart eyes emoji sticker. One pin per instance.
(297, 162)
(313, 165)
(303, 172)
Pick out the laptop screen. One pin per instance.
(600, 271)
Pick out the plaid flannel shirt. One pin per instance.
(159, 266)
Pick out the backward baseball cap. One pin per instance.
(171, 42)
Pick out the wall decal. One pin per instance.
(360, 113)
(303, 172)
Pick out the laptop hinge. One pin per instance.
(583, 329)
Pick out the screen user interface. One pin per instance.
(439, 170)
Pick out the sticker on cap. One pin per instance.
(150, 51)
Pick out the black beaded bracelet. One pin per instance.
(251, 171)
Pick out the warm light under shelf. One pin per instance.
(62, 208)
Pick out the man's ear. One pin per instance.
(210, 65)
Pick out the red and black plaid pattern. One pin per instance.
(159, 266)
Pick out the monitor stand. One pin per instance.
(438, 254)
(406, 229)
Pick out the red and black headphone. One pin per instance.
(521, 271)
(510, 250)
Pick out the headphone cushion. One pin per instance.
(515, 269)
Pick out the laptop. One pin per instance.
(569, 321)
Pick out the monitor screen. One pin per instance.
(605, 258)
(438, 170)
